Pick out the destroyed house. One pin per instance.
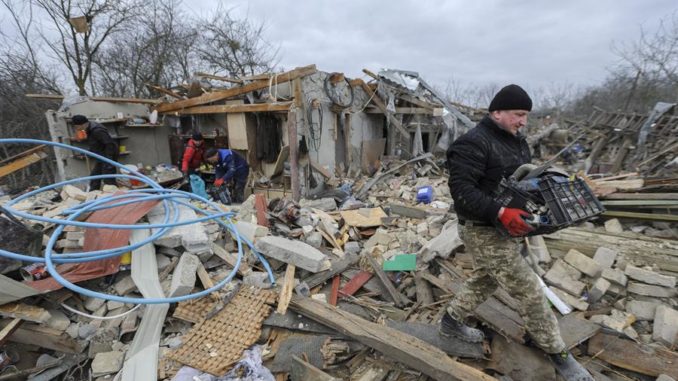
(343, 126)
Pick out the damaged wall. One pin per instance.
(147, 145)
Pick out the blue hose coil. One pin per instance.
(170, 199)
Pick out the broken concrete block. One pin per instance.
(538, 248)
(605, 257)
(93, 304)
(258, 279)
(642, 310)
(72, 192)
(183, 277)
(665, 326)
(352, 247)
(561, 276)
(72, 330)
(650, 290)
(616, 290)
(617, 320)
(58, 320)
(86, 330)
(112, 305)
(443, 244)
(572, 301)
(250, 231)
(325, 204)
(615, 276)
(664, 377)
(650, 277)
(107, 363)
(613, 226)
(296, 253)
(192, 237)
(583, 263)
(315, 239)
(125, 285)
(380, 237)
(75, 236)
(598, 289)
(422, 228)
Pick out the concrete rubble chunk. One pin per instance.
(598, 289)
(539, 249)
(124, 285)
(292, 252)
(73, 192)
(93, 304)
(107, 363)
(615, 276)
(250, 231)
(325, 204)
(605, 257)
(613, 226)
(315, 239)
(650, 290)
(565, 277)
(380, 237)
(665, 326)
(58, 320)
(183, 278)
(192, 237)
(583, 263)
(642, 310)
(352, 247)
(617, 320)
(650, 277)
(443, 244)
(258, 279)
(664, 377)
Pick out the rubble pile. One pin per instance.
(362, 280)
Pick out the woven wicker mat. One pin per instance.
(214, 345)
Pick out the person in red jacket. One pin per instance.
(193, 154)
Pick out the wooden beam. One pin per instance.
(294, 154)
(21, 163)
(219, 78)
(641, 216)
(304, 371)
(165, 91)
(9, 329)
(404, 110)
(96, 99)
(380, 104)
(627, 354)
(401, 347)
(229, 258)
(235, 91)
(227, 109)
(45, 338)
(418, 102)
(399, 299)
(286, 290)
(27, 152)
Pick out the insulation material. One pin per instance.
(214, 345)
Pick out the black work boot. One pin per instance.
(569, 368)
(450, 327)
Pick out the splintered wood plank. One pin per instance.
(25, 312)
(399, 299)
(9, 329)
(21, 163)
(226, 109)
(235, 91)
(401, 347)
(286, 290)
(635, 357)
(355, 283)
(363, 218)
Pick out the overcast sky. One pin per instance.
(533, 43)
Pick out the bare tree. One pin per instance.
(76, 44)
(235, 47)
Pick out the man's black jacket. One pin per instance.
(101, 142)
(477, 162)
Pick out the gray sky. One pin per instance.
(533, 43)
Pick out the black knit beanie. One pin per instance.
(511, 97)
(79, 119)
(197, 136)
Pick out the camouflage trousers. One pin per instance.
(497, 262)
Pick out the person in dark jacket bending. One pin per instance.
(101, 143)
(477, 162)
(229, 166)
